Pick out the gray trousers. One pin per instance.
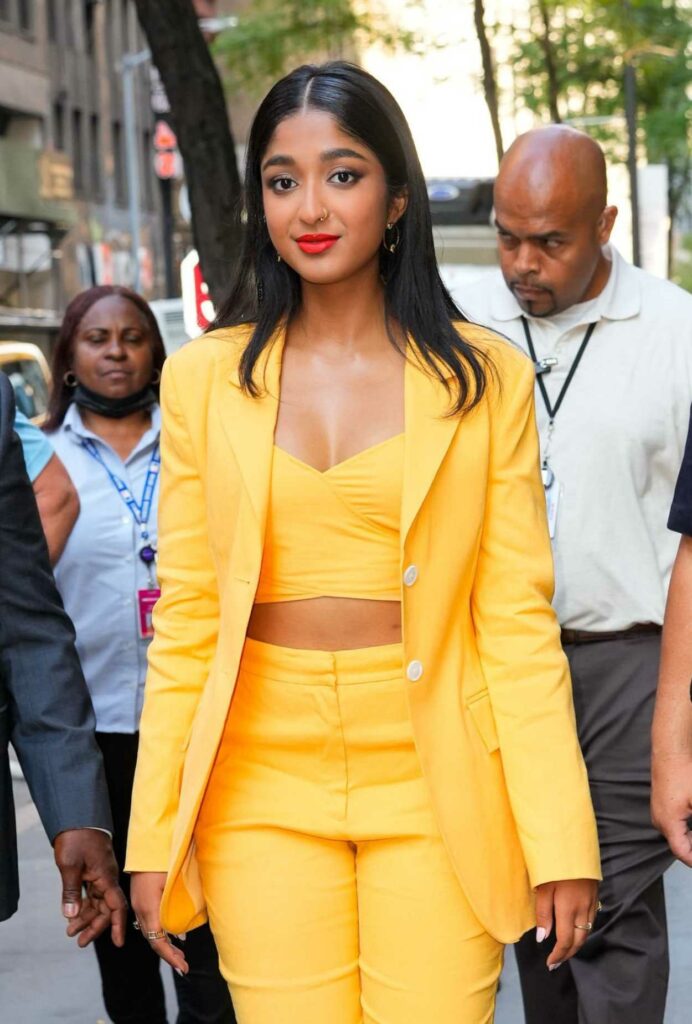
(621, 974)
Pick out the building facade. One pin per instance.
(64, 184)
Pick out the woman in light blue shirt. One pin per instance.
(104, 423)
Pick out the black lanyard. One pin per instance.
(550, 409)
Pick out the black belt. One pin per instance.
(584, 636)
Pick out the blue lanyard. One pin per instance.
(141, 511)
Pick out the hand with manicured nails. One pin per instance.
(146, 890)
(85, 860)
(563, 905)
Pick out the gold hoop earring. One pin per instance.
(391, 244)
(156, 376)
(69, 379)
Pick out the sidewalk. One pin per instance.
(45, 978)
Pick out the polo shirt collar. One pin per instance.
(621, 296)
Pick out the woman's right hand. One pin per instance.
(146, 890)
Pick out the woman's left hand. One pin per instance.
(565, 905)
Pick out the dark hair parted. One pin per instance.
(266, 293)
(61, 393)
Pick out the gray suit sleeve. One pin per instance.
(51, 719)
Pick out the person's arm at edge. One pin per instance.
(58, 505)
(671, 765)
(50, 711)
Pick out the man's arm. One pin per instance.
(671, 764)
(671, 797)
(58, 505)
(51, 718)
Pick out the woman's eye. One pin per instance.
(345, 177)
(283, 184)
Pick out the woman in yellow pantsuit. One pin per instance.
(358, 755)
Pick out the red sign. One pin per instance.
(164, 136)
(198, 309)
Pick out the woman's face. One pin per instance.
(325, 198)
(112, 351)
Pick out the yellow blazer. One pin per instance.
(492, 711)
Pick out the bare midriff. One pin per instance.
(326, 623)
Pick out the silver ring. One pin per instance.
(585, 927)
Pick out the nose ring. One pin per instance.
(325, 214)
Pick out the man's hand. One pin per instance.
(570, 906)
(85, 858)
(671, 801)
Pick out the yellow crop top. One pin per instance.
(334, 534)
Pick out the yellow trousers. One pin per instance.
(330, 893)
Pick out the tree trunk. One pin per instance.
(489, 81)
(200, 119)
(549, 56)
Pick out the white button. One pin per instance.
(414, 670)
(411, 575)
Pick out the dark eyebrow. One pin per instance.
(536, 238)
(278, 161)
(339, 154)
(330, 154)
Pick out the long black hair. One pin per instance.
(266, 292)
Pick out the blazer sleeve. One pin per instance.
(186, 625)
(51, 719)
(518, 640)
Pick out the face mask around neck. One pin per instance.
(114, 408)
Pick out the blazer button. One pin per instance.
(414, 670)
(411, 575)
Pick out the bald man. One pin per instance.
(612, 347)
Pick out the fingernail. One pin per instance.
(554, 967)
(541, 934)
(178, 971)
(70, 909)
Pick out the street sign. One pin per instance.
(198, 309)
(164, 136)
(168, 165)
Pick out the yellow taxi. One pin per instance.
(26, 366)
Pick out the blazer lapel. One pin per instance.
(249, 423)
(429, 433)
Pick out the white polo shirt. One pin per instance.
(618, 437)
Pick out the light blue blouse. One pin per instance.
(37, 449)
(100, 572)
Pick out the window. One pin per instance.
(68, 25)
(4, 10)
(124, 26)
(25, 11)
(118, 164)
(77, 151)
(59, 125)
(89, 26)
(52, 20)
(95, 155)
(147, 170)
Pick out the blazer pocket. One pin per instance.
(482, 714)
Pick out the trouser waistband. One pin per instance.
(584, 636)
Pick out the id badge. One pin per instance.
(552, 500)
(146, 599)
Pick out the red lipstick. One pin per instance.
(314, 244)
